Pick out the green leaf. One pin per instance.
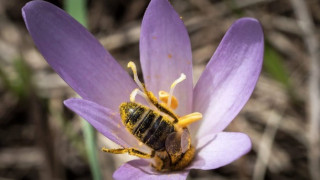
(273, 64)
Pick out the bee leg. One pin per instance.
(149, 96)
(158, 165)
(131, 151)
(162, 161)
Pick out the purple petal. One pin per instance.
(230, 77)
(76, 55)
(221, 150)
(165, 52)
(141, 169)
(106, 121)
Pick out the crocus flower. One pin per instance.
(222, 90)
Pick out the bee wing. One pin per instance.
(178, 143)
(173, 145)
(185, 140)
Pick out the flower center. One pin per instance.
(169, 101)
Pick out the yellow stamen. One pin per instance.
(135, 75)
(148, 95)
(173, 85)
(161, 106)
(164, 96)
(184, 121)
(134, 94)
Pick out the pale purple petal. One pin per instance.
(219, 150)
(141, 169)
(76, 55)
(165, 53)
(106, 121)
(230, 77)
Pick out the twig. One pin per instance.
(46, 139)
(310, 39)
(265, 146)
(241, 4)
(286, 24)
(280, 160)
(121, 39)
(22, 158)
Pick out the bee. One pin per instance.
(159, 128)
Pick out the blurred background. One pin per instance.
(41, 139)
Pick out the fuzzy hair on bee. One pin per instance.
(159, 128)
(168, 142)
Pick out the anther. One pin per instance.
(164, 96)
(173, 85)
(134, 94)
(148, 95)
(184, 121)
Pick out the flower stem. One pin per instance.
(90, 141)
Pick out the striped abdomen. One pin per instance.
(147, 125)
